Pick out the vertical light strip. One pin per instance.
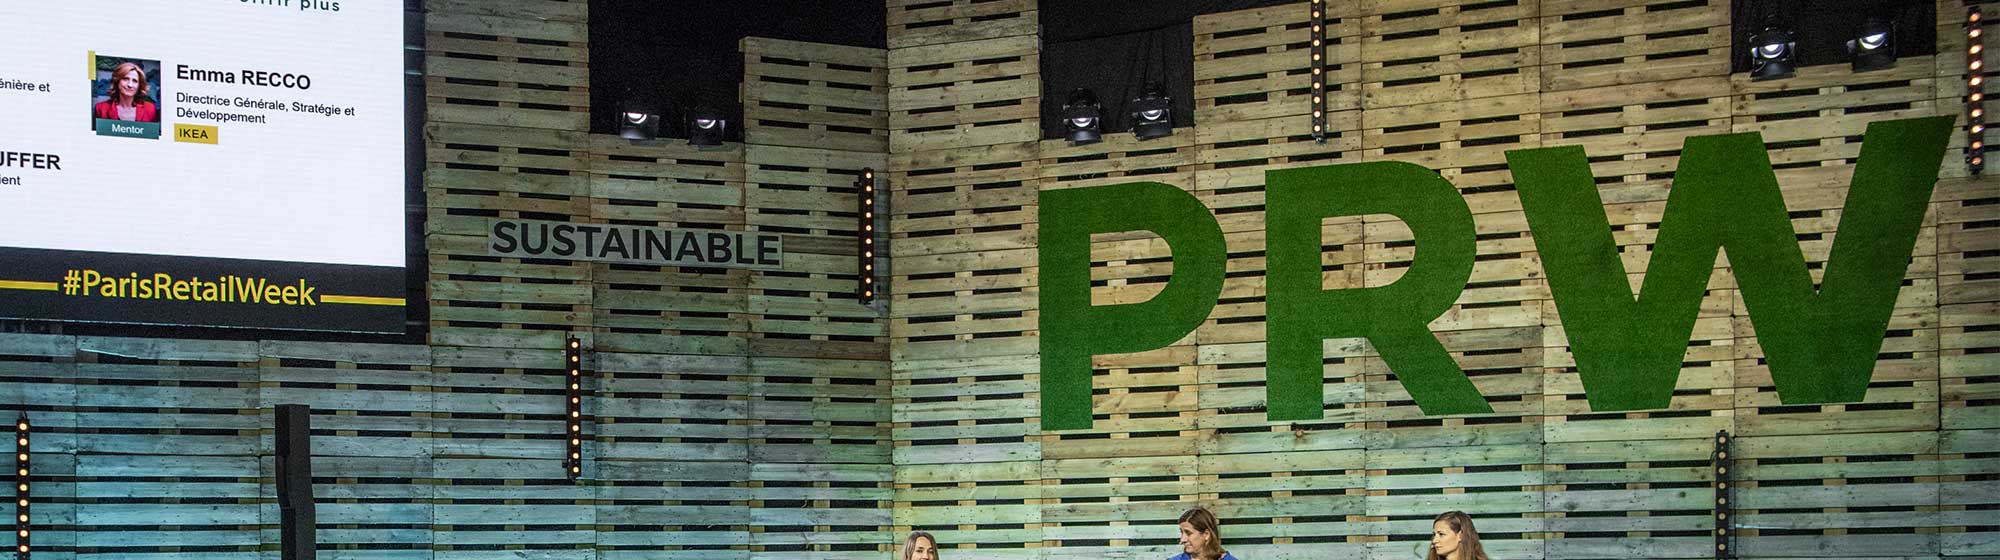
(22, 521)
(573, 420)
(1319, 71)
(1725, 506)
(1975, 94)
(865, 290)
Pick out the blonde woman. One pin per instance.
(1453, 538)
(1201, 537)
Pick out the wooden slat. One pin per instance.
(816, 96)
(1452, 86)
(1591, 43)
(749, 414)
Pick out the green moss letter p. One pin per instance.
(1073, 330)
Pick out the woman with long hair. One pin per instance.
(920, 546)
(130, 100)
(1201, 537)
(1453, 538)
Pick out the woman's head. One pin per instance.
(1201, 534)
(920, 546)
(1453, 538)
(128, 83)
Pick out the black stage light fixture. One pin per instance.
(638, 117)
(708, 127)
(638, 125)
(1153, 113)
(1773, 53)
(1082, 116)
(1875, 48)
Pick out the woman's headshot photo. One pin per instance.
(125, 90)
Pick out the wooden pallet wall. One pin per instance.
(1451, 85)
(766, 414)
(819, 436)
(965, 104)
(1968, 298)
(1630, 82)
(163, 449)
(734, 413)
(507, 116)
(497, 360)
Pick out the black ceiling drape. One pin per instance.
(1823, 27)
(1115, 47)
(679, 53)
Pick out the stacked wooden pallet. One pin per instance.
(735, 413)
(964, 106)
(508, 100)
(766, 414)
(824, 110)
(498, 324)
(1630, 82)
(1968, 291)
(1451, 86)
(1804, 483)
(668, 309)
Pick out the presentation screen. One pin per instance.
(231, 163)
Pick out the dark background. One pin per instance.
(674, 54)
(677, 54)
(1114, 47)
(1823, 27)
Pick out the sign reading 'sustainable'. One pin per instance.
(635, 244)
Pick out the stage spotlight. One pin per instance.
(638, 125)
(1152, 113)
(638, 117)
(1081, 117)
(1773, 53)
(708, 127)
(1875, 49)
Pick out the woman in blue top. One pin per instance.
(1201, 537)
